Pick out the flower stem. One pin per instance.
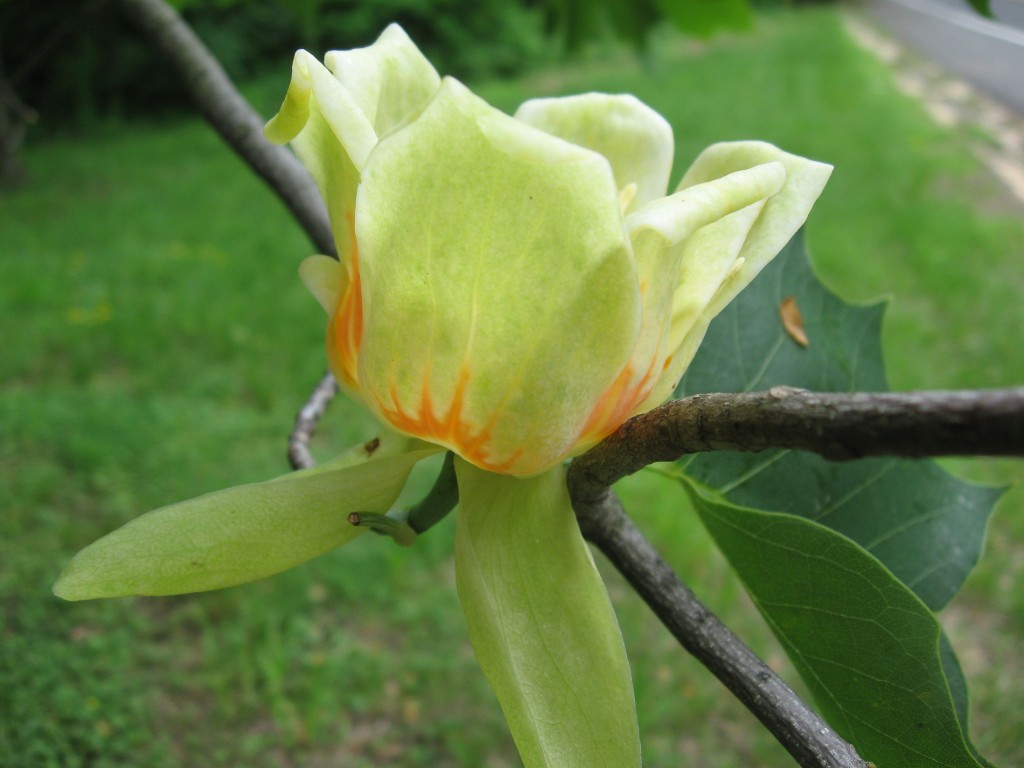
(439, 502)
(386, 525)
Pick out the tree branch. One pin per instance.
(797, 727)
(299, 455)
(230, 114)
(839, 426)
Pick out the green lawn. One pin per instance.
(156, 343)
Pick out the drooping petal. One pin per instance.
(244, 533)
(636, 140)
(540, 622)
(391, 80)
(662, 233)
(500, 296)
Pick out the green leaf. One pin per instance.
(541, 623)
(913, 520)
(244, 533)
(984, 7)
(868, 649)
(926, 526)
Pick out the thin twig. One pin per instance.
(797, 727)
(230, 114)
(299, 454)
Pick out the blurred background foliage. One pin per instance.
(78, 62)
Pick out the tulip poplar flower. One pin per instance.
(509, 289)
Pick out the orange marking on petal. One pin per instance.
(617, 403)
(449, 428)
(345, 331)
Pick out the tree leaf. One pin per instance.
(984, 7)
(867, 647)
(540, 621)
(910, 518)
(926, 526)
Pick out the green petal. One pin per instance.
(784, 213)
(391, 81)
(663, 232)
(325, 278)
(314, 87)
(319, 146)
(636, 140)
(709, 266)
(540, 622)
(763, 196)
(294, 112)
(244, 533)
(499, 292)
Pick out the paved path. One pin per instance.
(1009, 12)
(988, 53)
(952, 101)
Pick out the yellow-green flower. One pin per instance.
(513, 288)
(510, 289)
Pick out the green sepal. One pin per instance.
(541, 623)
(243, 533)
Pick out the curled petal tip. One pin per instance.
(291, 118)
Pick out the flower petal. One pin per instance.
(662, 233)
(540, 622)
(313, 88)
(725, 257)
(291, 118)
(244, 533)
(636, 140)
(325, 278)
(499, 292)
(784, 213)
(319, 144)
(391, 80)
(339, 292)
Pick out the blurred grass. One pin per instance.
(156, 344)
